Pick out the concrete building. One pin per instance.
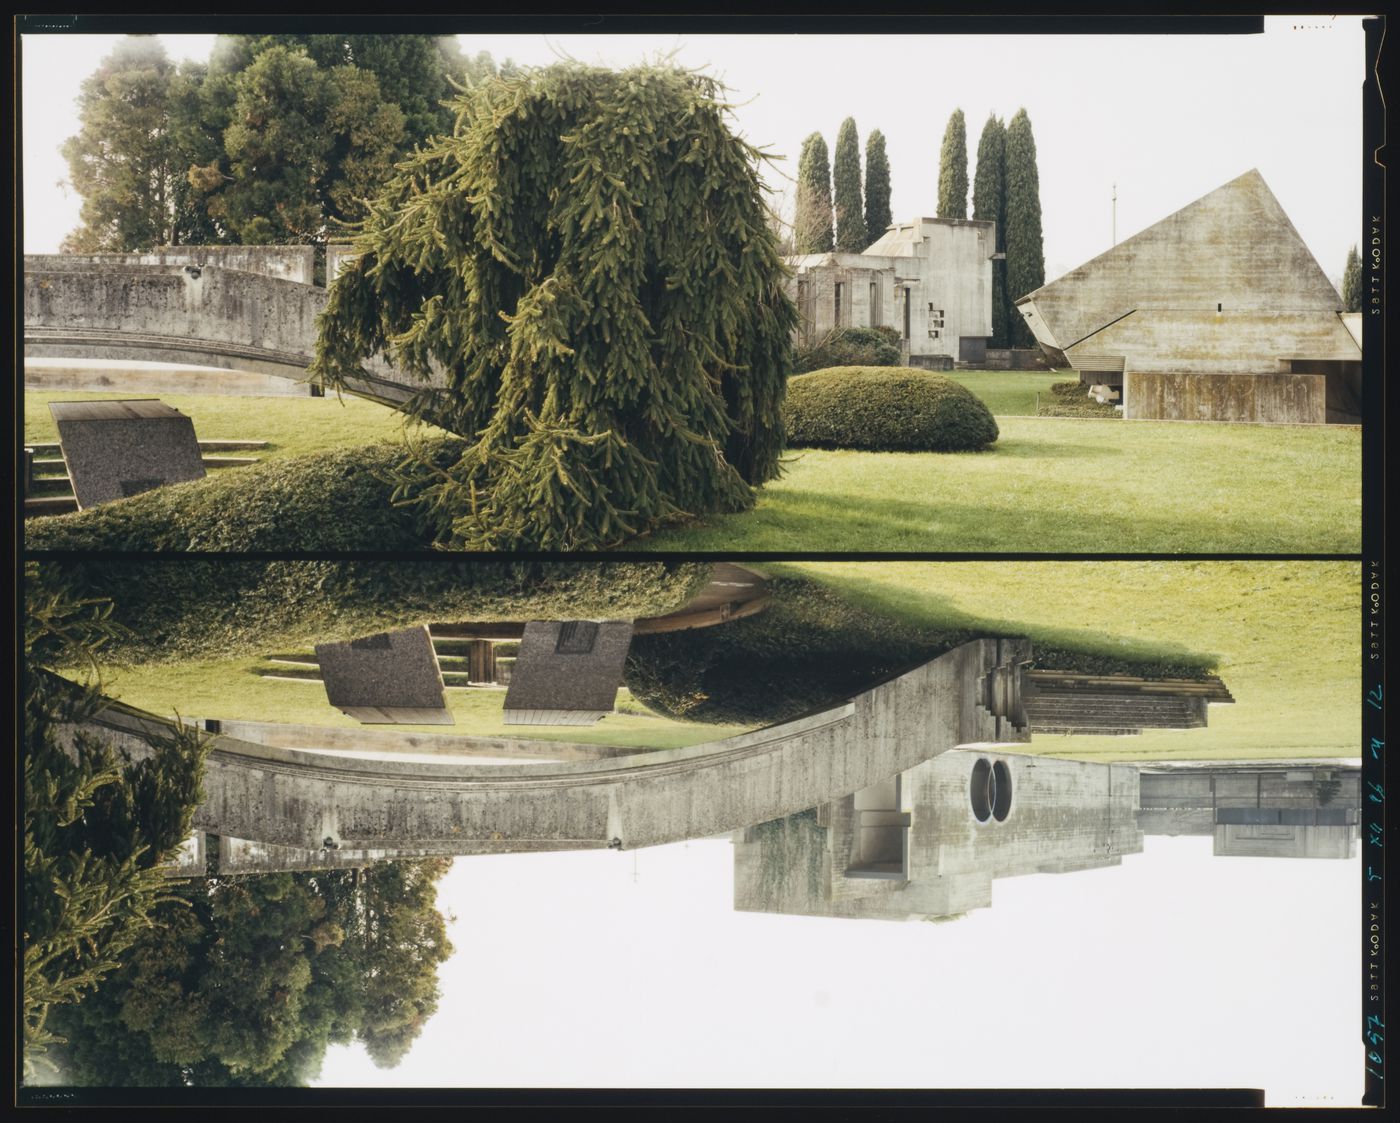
(1257, 812)
(929, 279)
(930, 842)
(1218, 312)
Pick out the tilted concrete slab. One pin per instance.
(114, 450)
(291, 798)
(390, 678)
(567, 672)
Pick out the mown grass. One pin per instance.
(1283, 636)
(1007, 393)
(1063, 485)
(229, 689)
(291, 426)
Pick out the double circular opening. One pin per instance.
(990, 790)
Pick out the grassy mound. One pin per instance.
(329, 501)
(850, 347)
(193, 609)
(886, 409)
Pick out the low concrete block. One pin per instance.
(114, 450)
(391, 678)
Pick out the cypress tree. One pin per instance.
(952, 169)
(989, 203)
(1025, 248)
(1351, 282)
(812, 227)
(877, 188)
(583, 278)
(850, 214)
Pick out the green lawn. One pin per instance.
(230, 690)
(1063, 485)
(1008, 393)
(1282, 635)
(291, 426)
(1050, 484)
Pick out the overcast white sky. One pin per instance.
(1166, 118)
(1175, 969)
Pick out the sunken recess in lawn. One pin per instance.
(886, 409)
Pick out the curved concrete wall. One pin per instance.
(171, 313)
(287, 263)
(291, 798)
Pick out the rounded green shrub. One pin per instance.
(886, 409)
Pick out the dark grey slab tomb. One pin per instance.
(117, 449)
(388, 679)
(567, 672)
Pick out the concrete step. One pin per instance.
(49, 505)
(50, 448)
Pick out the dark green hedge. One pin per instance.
(330, 501)
(850, 347)
(201, 608)
(886, 409)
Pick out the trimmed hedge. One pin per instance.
(340, 500)
(850, 347)
(193, 609)
(886, 409)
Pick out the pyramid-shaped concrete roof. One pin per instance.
(1232, 249)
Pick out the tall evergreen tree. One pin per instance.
(125, 161)
(1025, 247)
(878, 215)
(850, 214)
(1351, 282)
(601, 396)
(989, 204)
(952, 169)
(812, 225)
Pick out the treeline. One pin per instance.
(276, 139)
(834, 211)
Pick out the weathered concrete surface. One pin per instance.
(389, 678)
(942, 267)
(330, 739)
(1295, 399)
(1063, 816)
(187, 314)
(1225, 286)
(286, 263)
(124, 376)
(113, 450)
(292, 798)
(559, 682)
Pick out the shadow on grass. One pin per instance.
(815, 646)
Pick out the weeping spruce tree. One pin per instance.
(583, 278)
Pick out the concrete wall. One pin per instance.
(286, 263)
(338, 256)
(1293, 399)
(290, 798)
(1063, 816)
(943, 264)
(193, 315)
